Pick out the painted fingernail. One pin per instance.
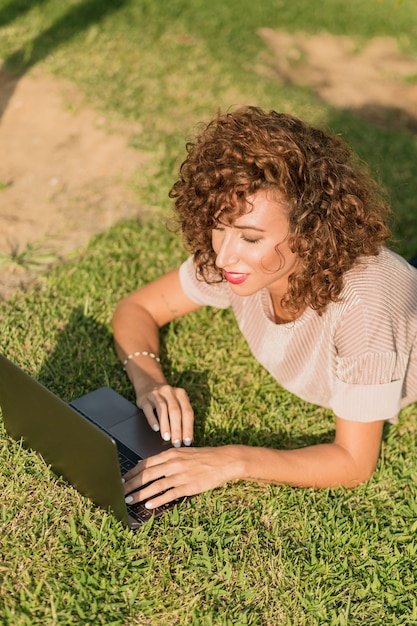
(129, 499)
(123, 481)
(187, 442)
(177, 443)
(155, 427)
(149, 505)
(166, 436)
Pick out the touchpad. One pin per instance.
(137, 435)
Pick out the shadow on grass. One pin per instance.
(76, 19)
(14, 9)
(84, 359)
(279, 439)
(391, 156)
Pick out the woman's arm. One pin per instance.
(136, 324)
(346, 462)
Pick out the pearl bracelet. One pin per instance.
(145, 353)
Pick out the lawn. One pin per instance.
(245, 553)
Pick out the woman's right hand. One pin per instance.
(168, 410)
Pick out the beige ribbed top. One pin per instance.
(359, 358)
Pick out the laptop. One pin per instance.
(91, 442)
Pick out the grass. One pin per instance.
(33, 256)
(245, 553)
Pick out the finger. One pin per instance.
(164, 498)
(187, 414)
(148, 409)
(150, 472)
(135, 477)
(167, 489)
(158, 492)
(169, 415)
(175, 420)
(162, 412)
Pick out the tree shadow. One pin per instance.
(390, 118)
(77, 18)
(389, 148)
(14, 9)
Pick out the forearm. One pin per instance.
(319, 466)
(347, 462)
(135, 330)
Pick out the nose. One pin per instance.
(224, 246)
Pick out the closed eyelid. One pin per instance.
(251, 239)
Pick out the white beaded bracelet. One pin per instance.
(145, 353)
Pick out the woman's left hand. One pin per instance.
(182, 472)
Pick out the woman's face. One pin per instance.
(253, 252)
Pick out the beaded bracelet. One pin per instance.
(145, 353)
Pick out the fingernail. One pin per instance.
(187, 442)
(129, 499)
(149, 505)
(166, 437)
(155, 427)
(177, 443)
(123, 481)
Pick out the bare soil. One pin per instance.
(64, 175)
(377, 81)
(65, 171)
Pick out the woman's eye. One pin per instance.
(248, 240)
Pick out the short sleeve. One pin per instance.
(372, 344)
(367, 403)
(369, 386)
(200, 292)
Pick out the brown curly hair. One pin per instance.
(335, 211)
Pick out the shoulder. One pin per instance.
(215, 294)
(384, 278)
(377, 310)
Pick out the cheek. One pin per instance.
(273, 260)
(278, 258)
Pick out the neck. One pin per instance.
(281, 316)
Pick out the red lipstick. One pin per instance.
(234, 278)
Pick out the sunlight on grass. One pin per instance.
(249, 552)
(246, 553)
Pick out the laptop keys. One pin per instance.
(138, 510)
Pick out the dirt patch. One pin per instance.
(64, 175)
(375, 81)
(64, 171)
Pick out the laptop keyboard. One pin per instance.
(138, 510)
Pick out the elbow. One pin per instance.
(360, 474)
(356, 471)
(357, 479)
(124, 310)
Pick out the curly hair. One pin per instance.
(335, 211)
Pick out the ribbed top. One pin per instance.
(359, 358)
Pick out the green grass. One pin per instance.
(245, 553)
(242, 554)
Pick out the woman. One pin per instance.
(287, 230)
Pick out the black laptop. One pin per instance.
(91, 441)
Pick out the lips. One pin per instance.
(235, 278)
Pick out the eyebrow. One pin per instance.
(243, 227)
(261, 230)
